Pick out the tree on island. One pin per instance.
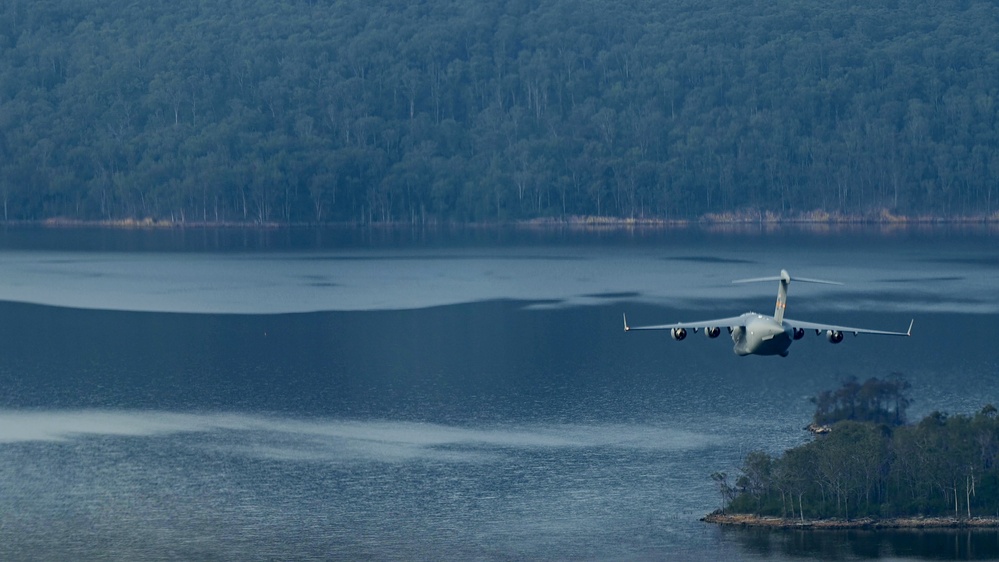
(872, 464)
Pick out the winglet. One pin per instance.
(911, 322)
(626, 328)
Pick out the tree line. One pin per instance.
(944, 465)
(448, 110)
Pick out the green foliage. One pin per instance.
(378, 110)
(942, 466)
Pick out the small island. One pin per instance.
(871, 469)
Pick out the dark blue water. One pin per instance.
(451, 395)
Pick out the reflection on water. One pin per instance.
(345, 271)
(367, 440)
(153, 485)
(501, 413)
(937, 544)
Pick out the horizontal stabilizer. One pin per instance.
(807, 280)
(785, 280)
(778, 278)
(756, 280)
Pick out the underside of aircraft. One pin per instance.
(758, 334)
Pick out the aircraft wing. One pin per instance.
(845, 329)
(733, 322)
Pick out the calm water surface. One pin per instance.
(312, 395)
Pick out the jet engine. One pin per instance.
(834, 336)
(712, 331)
(798, 333)
(679, 333)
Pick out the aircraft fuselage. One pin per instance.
(759, 334)
(762, 335)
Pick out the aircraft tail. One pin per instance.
(785, 280)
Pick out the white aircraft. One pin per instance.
(758, 334)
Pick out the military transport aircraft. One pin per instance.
(758, 334)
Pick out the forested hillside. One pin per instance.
(447, 110)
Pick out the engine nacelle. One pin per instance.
(678, 333)
(712, 331)
(798, 333)
(834, 336)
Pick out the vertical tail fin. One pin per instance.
(785, 280)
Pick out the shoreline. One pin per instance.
(813, 220)
(745, 520)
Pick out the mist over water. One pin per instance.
(925, 273)
(443, 399)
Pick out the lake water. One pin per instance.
(448, 395)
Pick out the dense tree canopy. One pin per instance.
(385, 110)
(942, 466)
